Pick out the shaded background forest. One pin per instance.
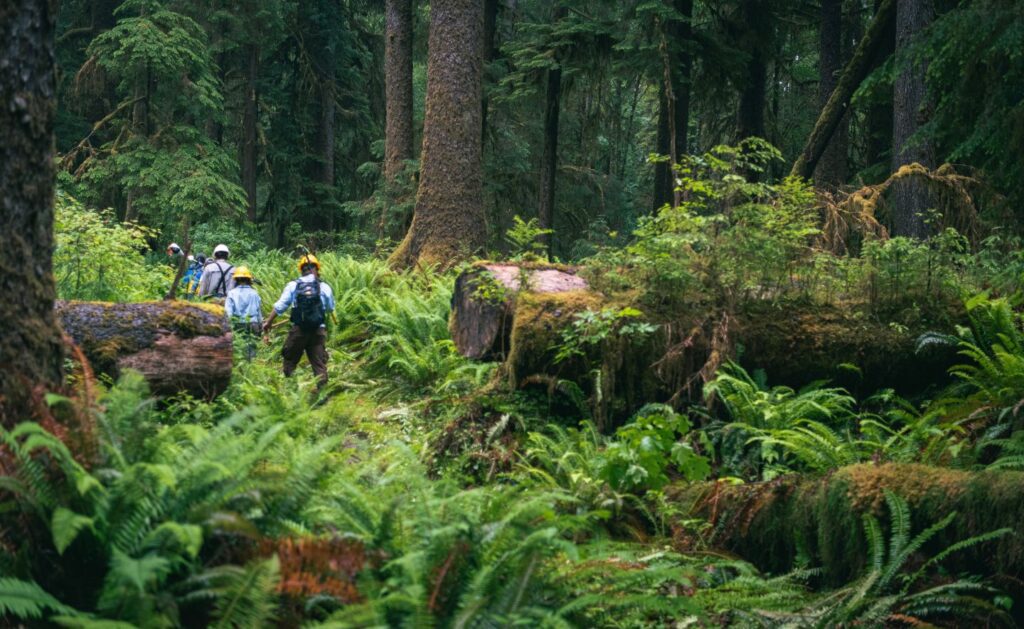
(272, 113)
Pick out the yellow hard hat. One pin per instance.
(243, 273)
(308, 259)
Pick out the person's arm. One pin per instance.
(287, 295)
(229, 306)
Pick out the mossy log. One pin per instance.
(795, 341)
(772, 524)
(177, 346)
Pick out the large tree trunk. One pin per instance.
(674, 102)
(398, 87)
(31, 353)
(776, 524)
(448, 222)
(176, 345)
(831, 170)
(910, 197)
(854, 72)
(250, 120)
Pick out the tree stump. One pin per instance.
(484, 302)
(177, 346)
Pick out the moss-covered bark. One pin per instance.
(772, 524)
(31, 352)
(178, 346)
(448, 222)
(854, 72)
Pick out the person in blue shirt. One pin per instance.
(243, 308)
(310, 300)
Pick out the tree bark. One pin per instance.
(448, 222)
(31, 353)
(176, 345)
(490, 33)
(398, 87)
(750, 114)
(910, 197)
(250, 120)
(838, 102)
(674, 102)
(831, 170)
(549, 158)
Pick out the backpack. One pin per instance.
(308, 310)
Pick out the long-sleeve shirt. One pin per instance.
(243, 303)
(288, 295)
(211, 279)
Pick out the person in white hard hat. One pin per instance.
(218, 276)
(173, 249)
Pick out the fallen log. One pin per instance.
(776, 524)
(178, 346)
(796, 342)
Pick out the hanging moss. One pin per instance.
(775, 524)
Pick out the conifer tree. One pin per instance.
(448, 222)
(31, 352)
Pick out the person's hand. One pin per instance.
(266, 328)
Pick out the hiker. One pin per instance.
(217, 275)
(193, 274)
(243, 310)
(173, 251)
(310, 300)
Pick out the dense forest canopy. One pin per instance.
(276, 110)
(617, 313)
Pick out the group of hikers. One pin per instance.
(309, 298)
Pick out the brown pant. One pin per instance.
(313, 344)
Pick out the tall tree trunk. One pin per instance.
(831, 170)
(327, 108)
(549, 159)
(448, 223)
(250, 119)
(854, 72)
(750, 115)
(663, 170)
(674, 103)
(398, 87)
(910, 195)
(490, 32)
(31, 352)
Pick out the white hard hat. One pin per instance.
(173, 247)
(221, 248)
(191, 258)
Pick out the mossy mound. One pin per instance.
(775, 524)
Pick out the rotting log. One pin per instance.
(794, 341)
(178, 346)
(777, 523)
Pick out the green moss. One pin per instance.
(108, 331)
(774, 524)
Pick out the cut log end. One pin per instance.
(484, 300)
(177, 346)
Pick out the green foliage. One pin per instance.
(526, 239)
(887, 590)
(645, 448)
(591, 329)
(99, 258)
